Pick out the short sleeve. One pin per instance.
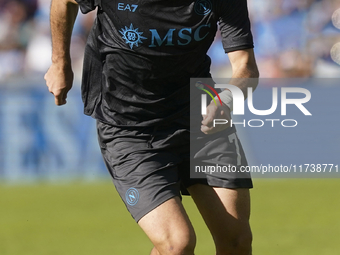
(88, 5)
(235, 25)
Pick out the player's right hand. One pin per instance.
(59, 79)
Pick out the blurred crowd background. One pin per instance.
(25, 43)
(293, 38)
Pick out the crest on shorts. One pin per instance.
(132, 196)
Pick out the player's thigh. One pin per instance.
(226, 213)
(169, 228)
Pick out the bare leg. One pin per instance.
(226, 213)
(169, 229)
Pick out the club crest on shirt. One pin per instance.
(203, 7)
(131, 36)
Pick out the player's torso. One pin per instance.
(159, 27)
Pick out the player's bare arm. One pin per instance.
(59, 77)
(244, 67)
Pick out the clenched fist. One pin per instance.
(59, 79)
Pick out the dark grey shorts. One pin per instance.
(151, 165)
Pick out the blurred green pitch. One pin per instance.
(290, 216)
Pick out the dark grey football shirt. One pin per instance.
(141, 54)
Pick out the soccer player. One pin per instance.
(139, 58)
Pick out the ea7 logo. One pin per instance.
(238, 100)
(127, 7)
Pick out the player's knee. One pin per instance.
(182, 244)
(238, 245)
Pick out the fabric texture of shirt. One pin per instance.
(141, 54)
